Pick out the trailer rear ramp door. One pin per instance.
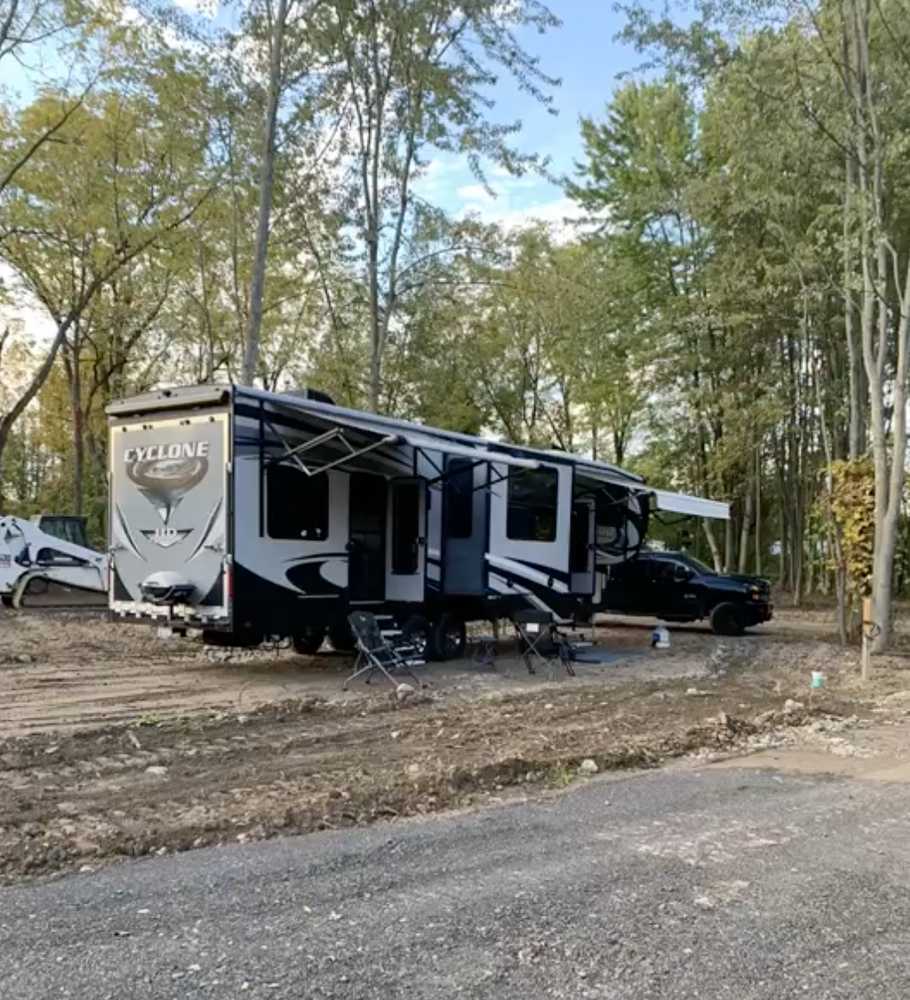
(169, 515)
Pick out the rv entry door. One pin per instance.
(581, 547)
(406, 556)
(367, 544)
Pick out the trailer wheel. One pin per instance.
(341, 639)
(448, 637)
(308, 641)
(417, 631)
(726, 620)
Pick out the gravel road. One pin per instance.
(672, 884)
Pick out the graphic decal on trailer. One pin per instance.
(164, 474)
(168, 500)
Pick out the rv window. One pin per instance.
(460, 498)
(297, 505)
(405, 528)
(532, 505)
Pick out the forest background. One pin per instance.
(259, 192)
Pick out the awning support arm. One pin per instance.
(336, 434)
(500, 477)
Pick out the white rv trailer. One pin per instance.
(250, 514)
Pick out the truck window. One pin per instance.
(665, 570)
(297, 505)
(459, 492)
(531, 514)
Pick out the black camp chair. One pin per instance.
(384, 653)
(540, 640)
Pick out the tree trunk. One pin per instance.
(758, 542)
(375, 322)
(745, 529)
(266, 186)
(712, 545)
(74, 378)
(729, 545)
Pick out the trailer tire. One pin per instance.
(726, 620)
(308, 641)
(418, 632)
(448, 637)
(341, 638)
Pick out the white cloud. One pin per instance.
(476, 192)
(512, 202)
(207, 8)
(561, 214)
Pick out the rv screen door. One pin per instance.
(581, 547)
(367, 544)
(406, 551)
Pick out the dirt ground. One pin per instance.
(115, 742)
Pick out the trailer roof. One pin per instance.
(423, 438)
(170, 399)
(439, 439)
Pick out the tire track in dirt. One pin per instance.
(114, 743)
(89, 797)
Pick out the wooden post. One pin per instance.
(868, 627)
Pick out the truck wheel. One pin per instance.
(308, 641)
(7, 600)
(726, 620)
(448, 638)
(341, 639)
(417, 632)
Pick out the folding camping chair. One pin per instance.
(384, 653)
(539, 639)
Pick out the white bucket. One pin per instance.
(818, 679)
(660, 637)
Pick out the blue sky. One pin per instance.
(585, 56)
(583, 53)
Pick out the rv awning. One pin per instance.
(349, 441)
(602, 475)
(676, 503)
(427, 442)
(683, 503)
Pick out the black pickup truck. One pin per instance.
(676, 587)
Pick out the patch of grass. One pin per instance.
(561, 776)
(149, 719)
